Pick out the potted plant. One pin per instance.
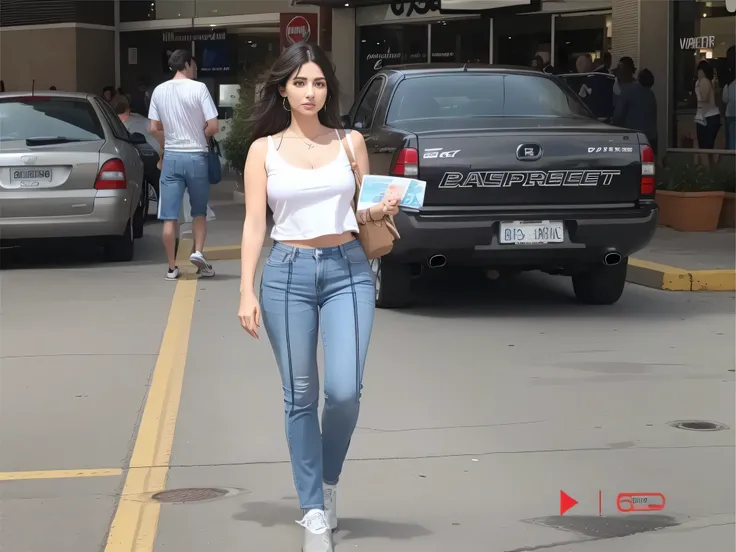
(725, 176)
(689, 198)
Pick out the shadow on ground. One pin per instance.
(272, 514)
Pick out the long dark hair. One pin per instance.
(269, 116)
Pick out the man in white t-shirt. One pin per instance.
(183, 118)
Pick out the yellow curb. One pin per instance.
(222, 253)
(670, 278)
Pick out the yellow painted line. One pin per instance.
(58, 474)
(671, 278)
(135, 522)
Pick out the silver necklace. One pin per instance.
(310, 144)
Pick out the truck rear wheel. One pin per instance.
(393, 284)
(601, 284)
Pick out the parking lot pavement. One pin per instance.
(481, 404)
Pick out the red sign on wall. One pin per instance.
(297, 27)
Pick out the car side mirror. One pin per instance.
(358, 125)
(137, 138)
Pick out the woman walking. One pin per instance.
(316, 274)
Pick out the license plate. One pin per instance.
(541, 232)
(31, 174)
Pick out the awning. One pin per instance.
(446, 6)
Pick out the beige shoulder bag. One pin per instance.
(376, 236)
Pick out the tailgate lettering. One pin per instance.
(507, 179)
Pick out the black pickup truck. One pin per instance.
(520, 176)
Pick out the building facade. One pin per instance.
(84, 45)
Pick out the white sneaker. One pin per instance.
(317, 535)
(172, 274)
(204, 268)
(330, 496)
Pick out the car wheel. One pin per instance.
(140, 216)
(601, 284)
(152, 198)
(120, 248)
(393, 284)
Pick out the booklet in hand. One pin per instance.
(374, 188)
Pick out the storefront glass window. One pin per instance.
(702, 31)
(579, 35)
(385, 45)
(463, 41)
(519, 38)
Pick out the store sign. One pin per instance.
(171, 36)
(697, 42)
(409, 7)
(297, 27)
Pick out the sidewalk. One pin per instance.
(687, 261)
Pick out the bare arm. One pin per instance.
(211, 128)
(254, 227)
(157, 131)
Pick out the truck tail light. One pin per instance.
(407, 163)
(647, 171)
(111, 176)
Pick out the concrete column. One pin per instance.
(640, 29)
(343, 54)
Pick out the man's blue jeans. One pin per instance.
(301, 290)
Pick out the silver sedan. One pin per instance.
(69, 169)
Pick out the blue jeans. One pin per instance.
(180, 170)
(302, 290)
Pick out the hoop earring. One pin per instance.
(285, 104)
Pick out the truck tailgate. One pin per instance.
(541, 166)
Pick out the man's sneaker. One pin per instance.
(172, 273)
(317, 535)
(330, 495)
(204, 268)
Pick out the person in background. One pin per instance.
(637, 108)
(604, 63)
(140, 98)
(624, 74)
(707, 114)
(133, 121)
(108, 93)
(184, 116)
(584, 63)
(729, 98)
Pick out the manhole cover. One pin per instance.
(698, 425)
(189, 495)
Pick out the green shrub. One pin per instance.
(685, 175)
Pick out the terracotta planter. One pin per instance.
(728, 211)
(690, 211)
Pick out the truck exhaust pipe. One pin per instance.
(612, 259)
(436, 261)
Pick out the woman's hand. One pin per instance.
(250, 314)
(388, 206)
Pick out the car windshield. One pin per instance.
(482, 95)
(48, 117)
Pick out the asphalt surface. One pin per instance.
(481, 404)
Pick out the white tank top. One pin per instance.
(309, 203)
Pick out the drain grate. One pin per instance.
(189, 495)
(698, 425)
